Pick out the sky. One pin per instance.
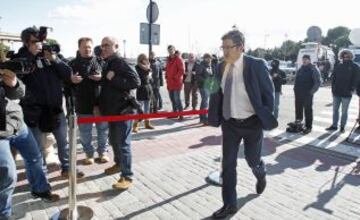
(189, 25)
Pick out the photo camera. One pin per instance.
(19, 66)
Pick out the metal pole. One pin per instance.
(72, 175)
(74, 211)
(150, 23)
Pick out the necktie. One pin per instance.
(227, 93)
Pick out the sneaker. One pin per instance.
(306, 130)
(112, 170)
(331, 128)
(181, 118)
(65, 174)
(342, 130)
(46, 196)
(123, 184)
(103, 158)
(89, 161)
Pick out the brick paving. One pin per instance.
(170, 166)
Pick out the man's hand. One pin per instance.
(96, 111)
(9, 77)
(76, 79)
(96, 77)
(110, 75)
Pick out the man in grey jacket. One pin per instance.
(14, 132)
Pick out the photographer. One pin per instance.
(86, 81)
(42, 104)
(14, 132)
(118, 79)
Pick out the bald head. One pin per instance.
(109, 46)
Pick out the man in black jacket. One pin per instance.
(344, 82)
(157, 81)
(86, 78)
(118, 79)
(279, 78)
(14, 132)
(307, 82)
(42, 104)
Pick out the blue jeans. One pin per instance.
(175, 100)
(86, 136)
(145, 105)
(276, 104)
(204, 93)
(60, 135)
(120, 140)
(344, 101)
(25, 143)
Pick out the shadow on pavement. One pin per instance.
(206, 141)
(152, 134)
(325, 196)
(40, 205)
(241, 202)
(133, 214)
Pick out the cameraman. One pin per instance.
(118, 79)
(14, 132)
(86, 78)
(42, 104)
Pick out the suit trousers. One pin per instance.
(234, 131)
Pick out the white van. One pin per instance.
(316, 52)
(356, 52)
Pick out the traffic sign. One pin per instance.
(155, 12)
(144, 33)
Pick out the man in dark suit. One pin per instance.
(243, 106)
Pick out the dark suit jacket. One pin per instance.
(259, 88)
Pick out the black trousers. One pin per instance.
(303, 103)
(234, 131)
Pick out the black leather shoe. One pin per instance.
(225, 211)
(260, 185)
(46, 196)
(306, 131)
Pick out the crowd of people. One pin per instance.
(241, 93)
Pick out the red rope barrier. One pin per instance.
(114, 118)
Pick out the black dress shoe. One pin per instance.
(46, 196)
(225, 211)
(260, 185)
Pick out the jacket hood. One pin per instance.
(341, 52)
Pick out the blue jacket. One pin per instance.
(260, 90)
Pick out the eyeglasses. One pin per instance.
(228, 47)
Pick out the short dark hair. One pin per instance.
(306, 57)
(170, 46)
(207, 55)
(27, 33)
(236, 36)
(84, 39)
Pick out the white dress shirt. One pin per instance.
(241, 107)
